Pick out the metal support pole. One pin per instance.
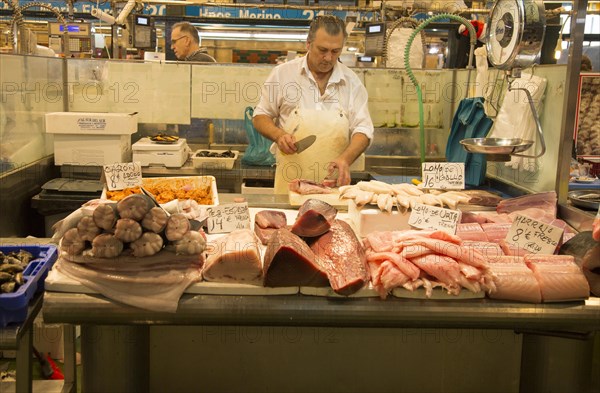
(570, 103)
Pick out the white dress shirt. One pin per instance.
(291, 85)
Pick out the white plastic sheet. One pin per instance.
(396, 46)
(515, 119)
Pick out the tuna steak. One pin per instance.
(266, 222)
(314, 218)
(343, 258)
(264, 234)
(290, 262)
(270, 219)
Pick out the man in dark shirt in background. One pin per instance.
(186, 44)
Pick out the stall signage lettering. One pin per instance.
(534, 236)
(85, 7)
(208, 11)
(227, 218)
(434, 218)
(122, 175)
(443, 175)
(91, 123)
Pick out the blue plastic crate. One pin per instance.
(13, 306)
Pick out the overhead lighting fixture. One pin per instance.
(232, 35)
(352, 49)
(558, 49)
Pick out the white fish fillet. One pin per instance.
(234, 258)
(560, 278)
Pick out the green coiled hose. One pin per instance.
(473, 41)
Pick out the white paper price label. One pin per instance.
(534, 236)
(434, 218)
(443, 175)
(227, 218)
(122, 175)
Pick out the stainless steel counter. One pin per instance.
(300, 310)
(557, 348)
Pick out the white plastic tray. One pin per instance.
(200, 181)
(214, 162)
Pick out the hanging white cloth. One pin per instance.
(515, 119)
(397, 45)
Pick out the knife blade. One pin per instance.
(305, 143)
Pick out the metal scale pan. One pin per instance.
(516, 31)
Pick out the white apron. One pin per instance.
(331, 127)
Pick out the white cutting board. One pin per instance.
(226, 288)
(366, 291)
(333, 199)
(436, 294)
(58, 282)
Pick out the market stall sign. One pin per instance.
(443, 175)
(534, 236)
(434, 218)
(122, 175)
(228, 217)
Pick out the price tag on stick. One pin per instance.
(227, 218)
(123, 175)
(443, 175)
(534, 236)
(434, 218)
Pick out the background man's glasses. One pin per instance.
(174, 40)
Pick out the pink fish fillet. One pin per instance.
(560, 278)
(514, 280)
(403, 264)
(542, 200)
(469, 256)
(488, 249)
(496, 231)
(444, 269)
(511, 249)
(270, 219)
(471, 231)
(391, 277)
(305, 187)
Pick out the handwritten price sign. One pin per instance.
(122, 175)
(443, 175)
(534, 236)
(227, 218)
(434, 218)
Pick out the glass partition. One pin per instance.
(31, 87)
(159, 92)
(205, 103)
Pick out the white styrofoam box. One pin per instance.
(48, 338)
(147, 153)
(214, 162)
(370, 218)
(86, 138)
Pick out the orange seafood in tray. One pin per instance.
(201, 189)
